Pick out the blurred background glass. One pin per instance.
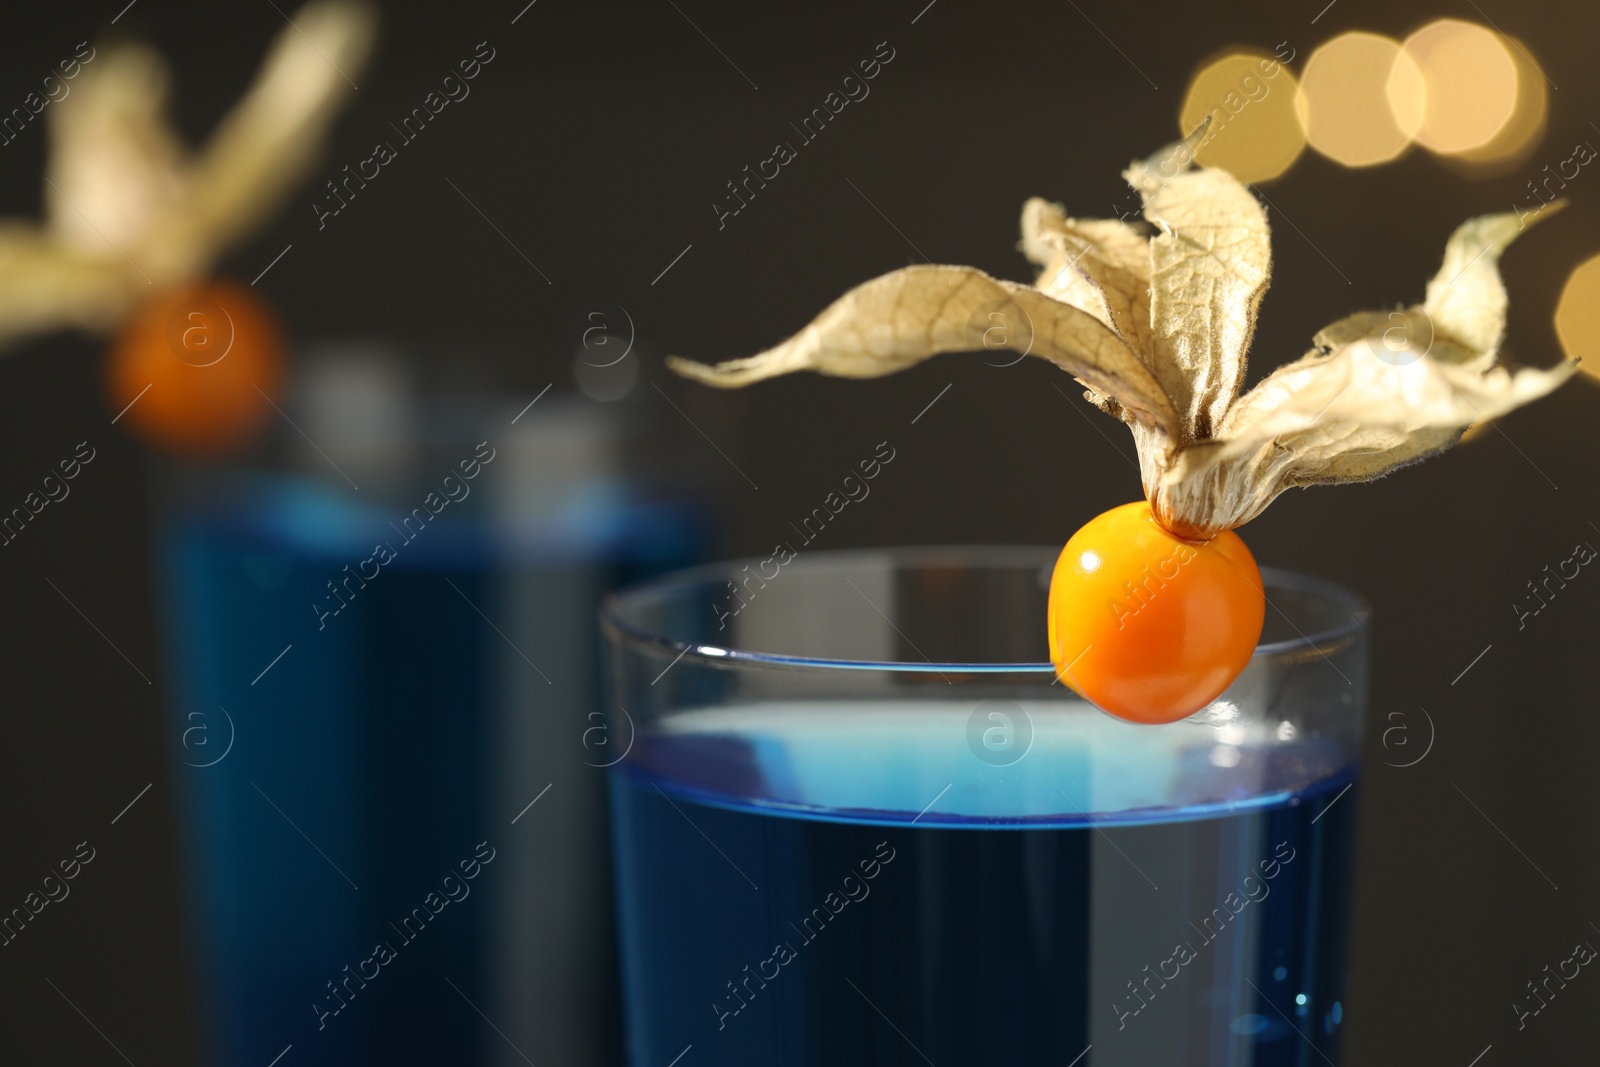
(359, 682)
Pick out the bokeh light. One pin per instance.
(1470, 85)
(1360, 99)
(1256, 134)
(1523, 130)
(1578, 316)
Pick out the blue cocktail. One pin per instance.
(860, 825)
(370, 690)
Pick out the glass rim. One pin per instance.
(613, 605)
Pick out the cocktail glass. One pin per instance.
(860, 822)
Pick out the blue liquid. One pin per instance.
(395, 735)
(793, 892)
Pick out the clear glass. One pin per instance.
(857, 821)
(366, 688)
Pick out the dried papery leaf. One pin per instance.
(1353, 387)
(1380, 389)
(912, 314)
(1209, 490)
(44, 286)
(129, 210)
(1047, 231)
(1099, 265)
(1466, 300)
(1209, 268)
(1345, 417)
(116, 166)
(268, 142)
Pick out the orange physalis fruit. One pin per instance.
(1146, 625)
(193, 369)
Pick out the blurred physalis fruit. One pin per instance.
(193, 369)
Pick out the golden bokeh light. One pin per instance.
(1470, 82)
(1360, 99)
(1523, 130)
(1578, 316)
(1255, 134)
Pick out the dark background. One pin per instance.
(597, 141)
